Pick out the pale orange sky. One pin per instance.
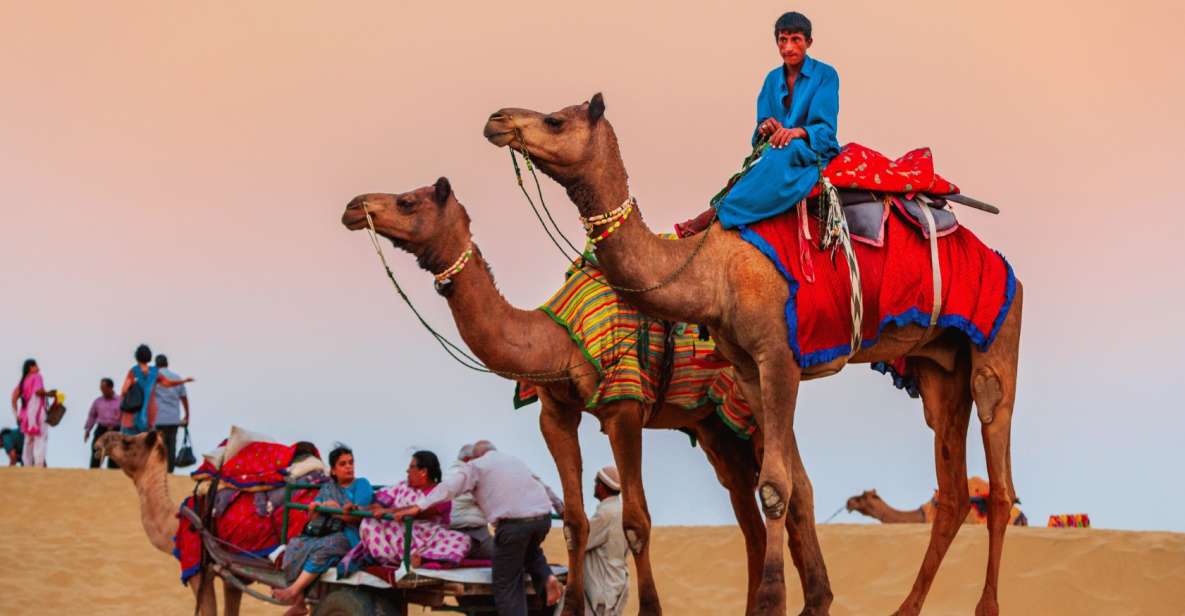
(173, 173)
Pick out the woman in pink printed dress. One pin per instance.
(431, 537)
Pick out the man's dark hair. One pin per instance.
(143, 354)
(429, 462)
(339, 450)
(304, 449)
(162, 361)
(106, 381)
(791, 23)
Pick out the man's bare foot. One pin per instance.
(416, 560)
(297, 610)
(288, 595)
(555, 590)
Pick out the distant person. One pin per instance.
(14, 442)
(169, 401)
(467, 517)
(104, 418)
(29, 406)
(606, 572)
(135, 422)
(520, 506)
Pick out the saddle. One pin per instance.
(866, 213)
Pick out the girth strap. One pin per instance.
(935, 267)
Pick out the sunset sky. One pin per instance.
(174, 173)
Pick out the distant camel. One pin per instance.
(870, 504)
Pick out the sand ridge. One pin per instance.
(72, 543)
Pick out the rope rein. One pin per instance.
(625, 209)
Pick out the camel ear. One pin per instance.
(596, 108)
(150, 440)
(442, 189)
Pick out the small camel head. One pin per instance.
(132, 453)
(561, 143)
(428, 222)
(864, 502)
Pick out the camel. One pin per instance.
(725, 283)
(872, 505)
(143, 459)
(431, 224)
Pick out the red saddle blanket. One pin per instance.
(857, 167)
(977, 285)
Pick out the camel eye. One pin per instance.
(405, 205)
(553, 122)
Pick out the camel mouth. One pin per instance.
(499, 138)
(354, 219)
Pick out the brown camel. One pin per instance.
(736, 291)
(431, 224)
(143, 459)
(872, 505)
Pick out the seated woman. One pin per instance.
(327, 537)
(431, 538)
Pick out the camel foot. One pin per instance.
(987, 607)
(555, 590)
(771, 595)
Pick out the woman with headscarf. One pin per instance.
(431, 538)
(29, 406)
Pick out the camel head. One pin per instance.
(864, 502)
(428, 222)
(569, 145)
(133, 453)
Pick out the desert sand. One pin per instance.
(72, 544)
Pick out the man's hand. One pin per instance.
(784, 136)
(86, 436)
(768, 127)
(329, 503)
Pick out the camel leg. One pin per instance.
(736, 468)
(207, 604)
(232, 598)
(804, 542)
(559, 425)
(779, 376)
(993, 385)
(622, 422)
(946, 398)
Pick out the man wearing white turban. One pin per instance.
(606, 573)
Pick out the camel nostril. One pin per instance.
(497, 115)
(355, 203)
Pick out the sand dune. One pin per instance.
(72, 544)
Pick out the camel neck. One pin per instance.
(633, 256)
(505, 338)
(888, 515)
(158, 512)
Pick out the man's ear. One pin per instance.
(596, 108)
(441, 190)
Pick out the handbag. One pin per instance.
(185, 455)
(57, 410)
(133, 400)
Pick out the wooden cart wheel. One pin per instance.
(356, 602)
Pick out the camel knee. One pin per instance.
(575, 534)
(773, 500)
(988, 391)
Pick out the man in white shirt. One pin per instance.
(467, 517)
(520, 506)
(606, 573)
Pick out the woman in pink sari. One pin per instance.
(30, 413)
(430, 534)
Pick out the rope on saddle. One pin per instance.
(836, 235)
(935, 267)
(666, 370)
(209, 528)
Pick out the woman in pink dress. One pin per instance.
(431, 537)
(29, 407)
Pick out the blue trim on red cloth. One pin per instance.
(1009, 295)
(908, 384)
(759, 242)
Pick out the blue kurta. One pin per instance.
(783, 177)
